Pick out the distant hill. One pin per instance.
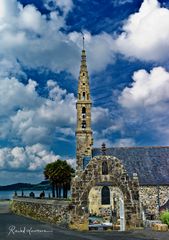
(44, 185)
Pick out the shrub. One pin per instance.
(164, 217)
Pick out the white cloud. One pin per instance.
(37, 41)
(100, 49)
(10, 67)
(15, 95)
(28, 117)
(30, 18)
(37, 117)
(145, 34)
(31, 158)
(8, 8)
(145, 105)
(99, 115)
(147, 90)
(71, 161)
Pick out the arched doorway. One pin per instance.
(106, 208)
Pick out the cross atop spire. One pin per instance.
(83, 39)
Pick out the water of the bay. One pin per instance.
(10, 194)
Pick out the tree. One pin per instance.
(59, 174)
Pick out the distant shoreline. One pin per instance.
(44, 185)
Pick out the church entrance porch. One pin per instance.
(104, 191)
(106, 208)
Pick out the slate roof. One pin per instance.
(150, 163)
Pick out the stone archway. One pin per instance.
(117, 177)
(109, 213)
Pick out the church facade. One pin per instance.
(113, 186)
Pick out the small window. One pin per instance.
(83, 110)
(84, 95)
(104, 168)
(83, 74)
(83, 84)
(105, 195)
(83, 124)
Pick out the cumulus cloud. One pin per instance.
(10, 67)
(24, 30)
(11, 95)
(100, 49)
(145, 104)
(98, 113)
(49, 48)
(147, 90)
(31, 158)
(28, 117)
(145, 34)
(36, 40)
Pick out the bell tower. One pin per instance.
(84, 139)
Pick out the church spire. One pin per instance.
(83, 67)
(84, 138)
(83, 40)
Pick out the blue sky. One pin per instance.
(40, 46)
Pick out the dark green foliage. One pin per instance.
(164, 217)
(59, 174)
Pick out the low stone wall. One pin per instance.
(59, 211)
(53, 211)
(149, 196)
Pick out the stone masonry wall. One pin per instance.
(149, 197)
(117, 177)
(53, 211)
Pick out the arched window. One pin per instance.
(104, 168)
(83, 112)
(105, 195)
(83, 124)
(84, 95)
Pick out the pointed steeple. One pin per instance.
(84, 138)
(83, 66)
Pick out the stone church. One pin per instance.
(118, 186)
